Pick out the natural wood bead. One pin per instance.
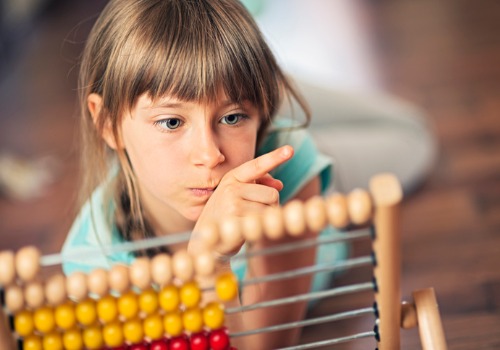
(97, 282)
(55, 289)
(161, 269)
(209, 235)
(27, 263)
(34, 294)
(183, 266)
(315, 212)
(76, 286)
(8, 270)
(273, 223)
(251, 227)
(204, 263)
(119, 278)
(360, 206)
(294, 217)
(140, 273)
(14, 298)
(336, 209)
(231, 236)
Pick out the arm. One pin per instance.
(280, 289)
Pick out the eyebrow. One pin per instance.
(178, 104)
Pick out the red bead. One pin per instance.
(199, 341)
(219, 339)
(161, 344)
(179, 343)
(141, 346)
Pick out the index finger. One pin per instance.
(260, 166)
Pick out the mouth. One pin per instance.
(203, 191)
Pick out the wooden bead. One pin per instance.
(76, 286)
(34, 294)
(273, 223)
(97, 282)
(336, 208)
(161, 269)
(294, 217)
(209, 235)
(119, 279)
(55, 290)
(8, 270)
(231, 237)
(251, 227)
(14, 298)
(360, 207)
(140, 273)
(204, 263)
(315, 211)
(183, 266)
(27, 263)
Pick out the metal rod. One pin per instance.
(331, 341)
(347, 236)
(360, 287)
(308, 322)
(347, 264)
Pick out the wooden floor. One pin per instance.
(441, 55)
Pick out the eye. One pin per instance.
(169, 123)
(233, 119)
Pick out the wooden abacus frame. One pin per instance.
(380, 206)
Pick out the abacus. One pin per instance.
(159, 303)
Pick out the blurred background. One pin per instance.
(411, 87)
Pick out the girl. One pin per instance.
(178, 103)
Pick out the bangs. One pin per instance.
(207, 50)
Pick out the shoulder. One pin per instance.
(308, 162)
(92, 230)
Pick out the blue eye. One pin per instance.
(232, 119)
(170, 123)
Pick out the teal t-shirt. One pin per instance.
(94, 229)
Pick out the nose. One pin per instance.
(205, 149)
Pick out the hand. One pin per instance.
(247, 188)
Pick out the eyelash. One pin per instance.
(163, 123)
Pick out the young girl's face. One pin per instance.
(180, 150)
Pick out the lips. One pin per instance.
(203, 192)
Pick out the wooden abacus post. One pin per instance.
(387, 195)
(430, 326)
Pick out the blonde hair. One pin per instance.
(189, 49)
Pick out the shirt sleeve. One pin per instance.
(306, 163)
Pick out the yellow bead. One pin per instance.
(226, 286)
(44, 320)
(65, 316)
(107, 310)
(32, 342)
(172, 322)
(92, 338)
(113, 334)
(213, 315)
(128, 306)
(86, 313)
(52, 341)
(148, 301)
(190, 294)
(72, 340)
(133, 331)
(153, 327)
(169, 298)
(192, 320)
(24, 323)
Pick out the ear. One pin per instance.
(94, 104)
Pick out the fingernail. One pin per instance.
(287, 151)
